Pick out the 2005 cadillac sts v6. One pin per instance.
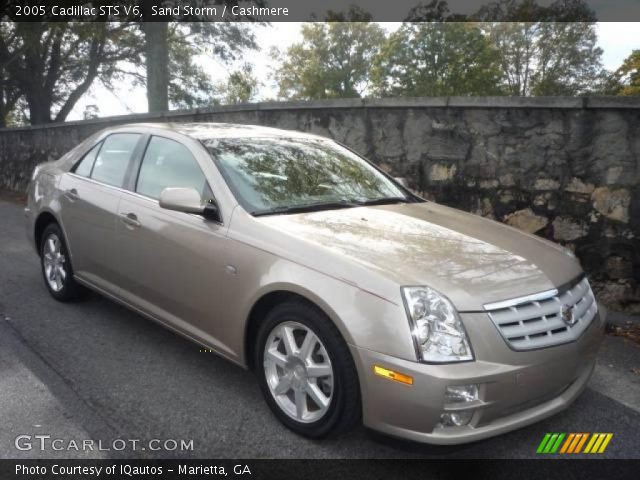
(351, 298)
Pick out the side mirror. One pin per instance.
(186, 200)
(402, 181)
(212, 212)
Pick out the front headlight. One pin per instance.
(436, 326)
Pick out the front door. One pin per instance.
(172, 262)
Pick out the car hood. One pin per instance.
(470, 259)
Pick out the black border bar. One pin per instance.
(320, 469)
(315, 10)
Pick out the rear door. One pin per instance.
(173, 262)
(90, 196)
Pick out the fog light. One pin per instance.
(456, 419)
(461, 393)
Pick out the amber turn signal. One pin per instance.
(391, 375)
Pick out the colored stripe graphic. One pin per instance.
(598, 443)
(572, 443)
(555, 447)
(577, 439)
(567, 443)
(592, 441)
(547, 448)
(605, 442)
(551, 442)
(543, 443)
(581, 443)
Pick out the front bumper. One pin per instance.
(515, 388)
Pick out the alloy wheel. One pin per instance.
(54, 263)
(298, 371)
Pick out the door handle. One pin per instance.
(130, 219)
(71, 194)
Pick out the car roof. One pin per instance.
(211, 130)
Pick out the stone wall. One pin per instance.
(565, 168)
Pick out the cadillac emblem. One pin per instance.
(566, 312)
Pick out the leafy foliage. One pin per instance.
(509, 47)
(430, 59)
(550, 58)
(241, 86)
(332, 61)
(627, 77)
(434, 11)
(49, 66)
(189, 86)
(545, 50)
(52, 65)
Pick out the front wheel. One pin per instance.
(306, 371)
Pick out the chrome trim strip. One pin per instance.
(518, 300)
(535, 296)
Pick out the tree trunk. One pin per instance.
(157, 52)
(39, 106)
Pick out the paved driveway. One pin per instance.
(93, 370)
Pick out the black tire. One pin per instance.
(70, 290)
(344, 411)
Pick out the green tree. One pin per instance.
(51, 65)
(434, 11)
(333, 60)
(10, 93)
(627, 78)
(241, 86)
(431, 59)
(173, 77)
(544, 50)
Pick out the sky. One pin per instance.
(617, 40)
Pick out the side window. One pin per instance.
(168, 163)
(112, 160)
(86, 164)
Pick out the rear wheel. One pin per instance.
(56, 266)
(306, 371)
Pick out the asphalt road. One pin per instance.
(94, 370)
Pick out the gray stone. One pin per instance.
(618, 267)
(488, 184)
(507, 180)
(439, 172)
(578, 186)
(526, 220)
(613, 204)
(567, 229)
(613, 175)
(546, 184)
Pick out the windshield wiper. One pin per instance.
(384, 201)
(311, 207)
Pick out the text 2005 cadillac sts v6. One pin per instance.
(351, 298)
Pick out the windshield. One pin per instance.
(283, 175)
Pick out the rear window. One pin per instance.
(86, 164)
(111, 163)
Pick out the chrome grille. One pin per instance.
(536, 321)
